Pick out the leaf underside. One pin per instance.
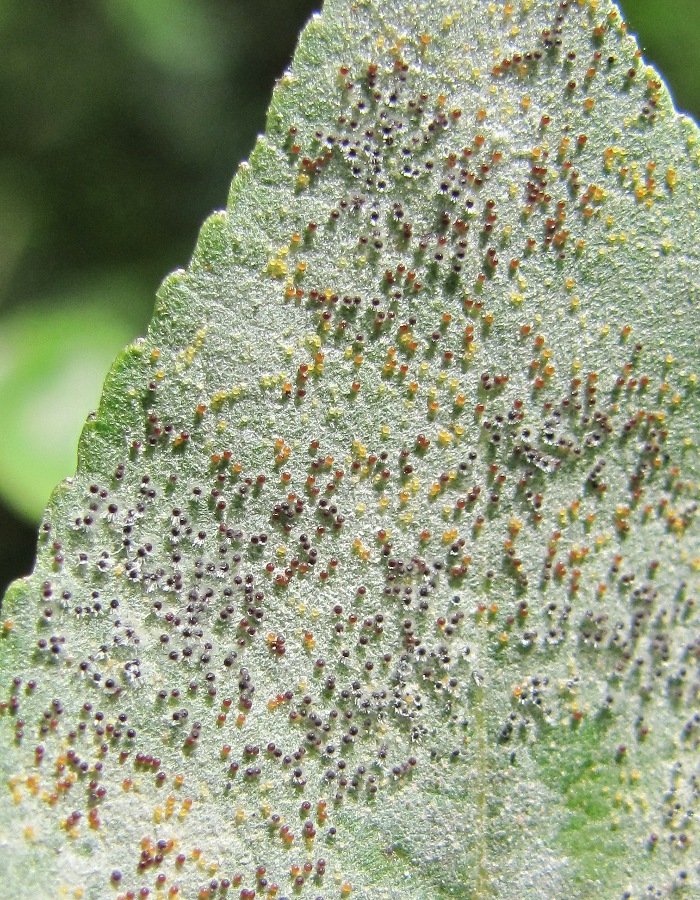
(379, 574)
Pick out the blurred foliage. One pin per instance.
(50, 381)
(124, 121)
(669, 34)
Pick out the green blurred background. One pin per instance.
(122, 124)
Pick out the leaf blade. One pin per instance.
(484, 756)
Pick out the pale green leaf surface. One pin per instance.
(463, 660)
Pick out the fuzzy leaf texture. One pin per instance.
(379, 574)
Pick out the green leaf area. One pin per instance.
(379, 575)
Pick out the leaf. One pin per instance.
(378, 577)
